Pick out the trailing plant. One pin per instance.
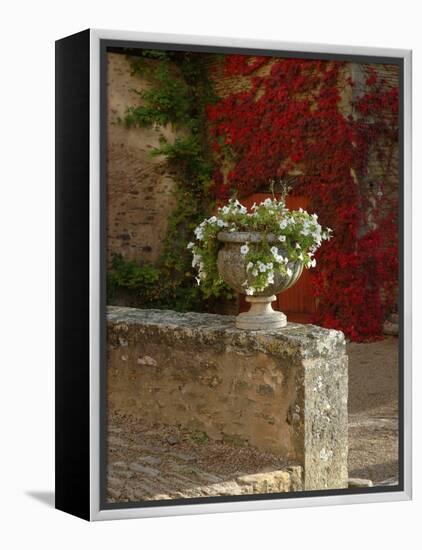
(179, 92)
(148, 288)
(297, 234)
(132, 276)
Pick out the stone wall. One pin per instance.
(283, 391)
(379, 183)
(139, 186)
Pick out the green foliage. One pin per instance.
(179, 92)
(128, 274)
(148, 286)
(166, 103)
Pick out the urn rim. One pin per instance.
(245, 237)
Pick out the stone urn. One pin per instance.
(232, 268)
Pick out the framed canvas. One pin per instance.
(233, 277)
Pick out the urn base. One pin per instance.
(261, 315)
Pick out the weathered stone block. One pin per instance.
(282, 391)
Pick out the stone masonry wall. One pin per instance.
(139, 186)
(283, 391)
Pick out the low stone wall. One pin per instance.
(283, 391)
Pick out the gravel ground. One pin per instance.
(373, 410)
(156, 462)
(148, 462)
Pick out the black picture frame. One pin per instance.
(81, 273)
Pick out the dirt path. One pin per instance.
(373, 410)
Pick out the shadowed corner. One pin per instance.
(45, 497)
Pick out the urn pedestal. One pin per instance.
(261, 315)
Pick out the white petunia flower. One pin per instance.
(279, 258)
(282, 238)
(199, 233)
(283, 224)
(249, 291)
(249, 266)
(244, 249)
(190, 245)
(313, 263)
(196, 260)
(289, 272)
(274, 251)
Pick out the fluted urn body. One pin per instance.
(232, 268)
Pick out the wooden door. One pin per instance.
(298, 302)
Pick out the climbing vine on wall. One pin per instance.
(180, 90)
(291, 120)
(301, 118)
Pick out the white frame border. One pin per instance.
(184, 509)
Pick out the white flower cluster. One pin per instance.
(267, 268)
(233, 207)
(199, 264)
(279, 258)
(298, 236)
(213, 221)
(271, 204)
(310, 226)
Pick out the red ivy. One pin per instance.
(290, 118)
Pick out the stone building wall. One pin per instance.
(139, 187)
(381, 182)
